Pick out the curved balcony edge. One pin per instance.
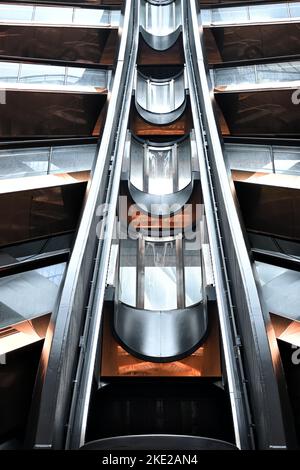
(160, 205)
(160, 43)
(160, 336)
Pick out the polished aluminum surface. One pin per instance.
(160, 23)
(159, 296)
(160, 101)
(160, 335)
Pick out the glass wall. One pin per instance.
(264, 158)
(253, 13)
(255, 74)
(53, 75)
(16, 163)
(58, 15)
(29, 294)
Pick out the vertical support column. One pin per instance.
(146, 170)
(175, 174)
(180, 281)
(140, 273)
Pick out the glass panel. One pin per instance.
(192, 273)
(229, 15)
(53, 273)
(23, 162)
(29, 162)
(115, 17)
(35, 73)
(17, 13)
(287, 160)
(9, 71)
(89, 77)
(75, 158)
(234, 76)
(30, 294)
(285, 71)
(268, 12)
(295, 10)
(160, 171)
(91, 17)
(249, 157)
(160, 276)
(53, 15)
(127, 273)
(206, 16)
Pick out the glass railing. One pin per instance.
(59, 15)
(36, 161)
(256, 74)
(263, 158)
(251, 14)
(13, 72)
(29, 294)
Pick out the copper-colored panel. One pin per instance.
(41, 114)
(181, 126)
(249, 42)
(205, 362)
(265, 112)
(84, 45)
(149, 56)
(270, 210)
(41, 212)
(100, 122)
(286, 329)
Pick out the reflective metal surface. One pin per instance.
(160, 23)
(159, 441)
(160, 335)
(160, 175)
(18, 162)
(160, 101)
(159, 297)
